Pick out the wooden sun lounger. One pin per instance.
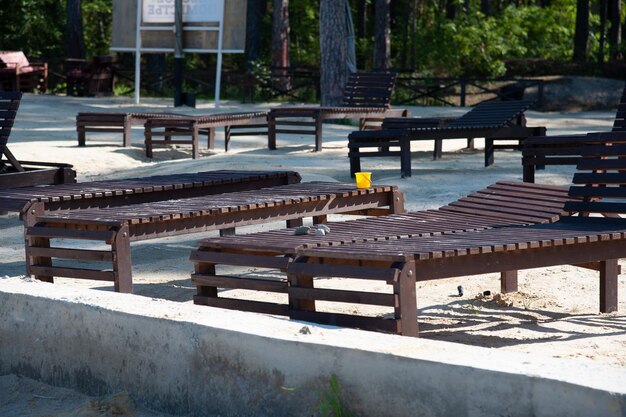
(173, 130)
(540, 151)
(114, 122)
(118, 226)
(589, 242)
(494, 120)
(367, 97)
(501, 204)
(14, 173)
(33, 201)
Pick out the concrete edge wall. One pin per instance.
(181, 358)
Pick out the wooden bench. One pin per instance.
(118, 226)
(367, 97)
(18, 74)
(589, 242)
(500, 204)
(495, 121)
(185, 130)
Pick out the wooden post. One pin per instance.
(122, 269)
(406, 308)
(608, 285)
(508, 281)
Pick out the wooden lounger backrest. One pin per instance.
(9, 103)
(619, 125)
(601, 180)
(369, 89)
(492, 114)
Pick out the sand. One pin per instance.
(555, 313)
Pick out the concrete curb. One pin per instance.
(180, 358)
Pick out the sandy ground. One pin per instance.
(555, 313)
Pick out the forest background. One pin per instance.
(426, 38)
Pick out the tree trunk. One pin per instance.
(485, 7)
(413, 32)
(75, 41)
(405, 33)
(333, 50)
(602, 32)
(280, 45)
(156, 69)
(615, 33)
(382, 41)
(451, 9)
(581, 34)
(361, 19)
(254, 16)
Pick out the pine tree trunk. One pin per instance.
(74, 41)
(254, 16)
(280, 45)
(615, 33)
(333, 51)
(581, 34)
(382, 41)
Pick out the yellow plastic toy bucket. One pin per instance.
(363, 179)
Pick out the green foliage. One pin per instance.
(97, 20)
(36, 27)
(331, 404)
(478, 45)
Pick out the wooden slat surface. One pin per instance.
(214, 204)
(104, 189)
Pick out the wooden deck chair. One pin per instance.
(366, 96)
(501, 204)
(493, 120)
(117, 227)
(583, 240)
(539, 151)
(14, 173)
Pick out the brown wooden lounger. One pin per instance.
(14, 173)
(589, 242)
(503, 203)
(367, 96)
(114, 122)
(540, 151)
(33, 201)
(248, 123)
(118, 226)
(494, 120)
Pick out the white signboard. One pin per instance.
(162, 11)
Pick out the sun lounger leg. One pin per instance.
(231, 231)
(206, 268)
(127, 131)
(529, 173)
(508, 281)
(470, 143)
(294, 223)
(123, 280)
(406, 310)
(318, 133)
(81, 136)
(355, 164)
(211, 138)
(38, 242)
(608, 285)
(489, 152)
(320, 219)
(195, 151)
(226, 138)
(438, 149)
(271, 132)
(405, 158)
(301, 281)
